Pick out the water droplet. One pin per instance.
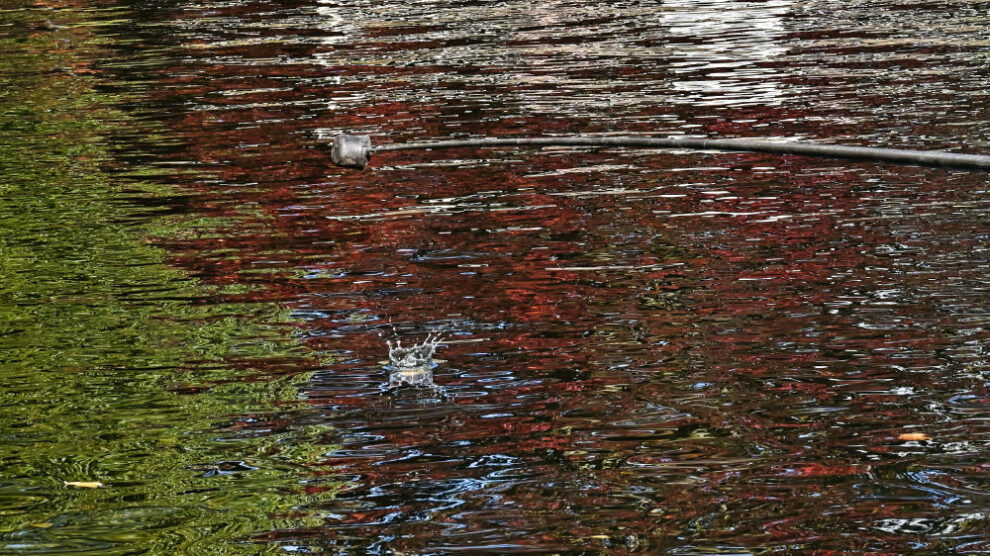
(413, 366)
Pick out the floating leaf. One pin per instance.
(913, 436)
(83, 484)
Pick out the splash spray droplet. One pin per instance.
(413, 366)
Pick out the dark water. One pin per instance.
(645, 352)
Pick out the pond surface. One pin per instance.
(642, 352)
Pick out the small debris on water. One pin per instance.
(83, 484)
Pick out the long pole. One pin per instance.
(356, 150)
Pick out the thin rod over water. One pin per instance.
(355, 151)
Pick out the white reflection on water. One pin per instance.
(722, 45)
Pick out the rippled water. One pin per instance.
(644, 352)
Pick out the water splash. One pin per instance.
(413, 366)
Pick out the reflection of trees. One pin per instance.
(114, 366)
(612, 397)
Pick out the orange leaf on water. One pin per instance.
(913, 436)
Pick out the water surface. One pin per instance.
(644, 352)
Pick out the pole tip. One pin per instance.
(351, 151)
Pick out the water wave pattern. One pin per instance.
(646, 352)
(651, 352)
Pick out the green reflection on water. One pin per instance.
(113, 366)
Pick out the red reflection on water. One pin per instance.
(645, 352)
